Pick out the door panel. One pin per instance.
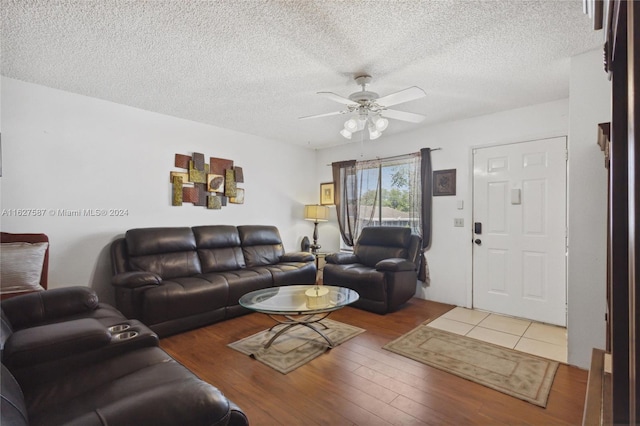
(519, 261)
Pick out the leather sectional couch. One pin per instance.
(67, 359)
(175, 279)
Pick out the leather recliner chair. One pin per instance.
(66, 359)
(382, 268)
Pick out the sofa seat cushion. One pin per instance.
(145, 386)
(287, 273)
(242, 281)
(184, 297)
(366, 281)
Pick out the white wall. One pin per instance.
(65, 151)
(450, 254)
(590, 104)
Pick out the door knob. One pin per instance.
(478, 241)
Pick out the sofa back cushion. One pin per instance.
(261, 245)
(219, 248)
(382, 242)
(167, 252)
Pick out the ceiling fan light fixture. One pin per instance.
(365, 109)
(381, 123)
(351, 125)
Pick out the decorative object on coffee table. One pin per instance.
(317, 214)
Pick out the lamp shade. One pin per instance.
(316, 213)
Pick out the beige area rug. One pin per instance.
(295, 347)
(514, 373)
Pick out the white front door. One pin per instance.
(519, 254)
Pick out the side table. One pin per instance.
(320, 261)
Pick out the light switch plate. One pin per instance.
(458, 222)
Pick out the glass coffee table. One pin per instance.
(298, 305)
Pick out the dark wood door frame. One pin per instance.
(622, 62)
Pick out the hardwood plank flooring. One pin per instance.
(359, 383)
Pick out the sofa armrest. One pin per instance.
(136, 279)
(341, 258)
(54, 341)
(186, 401)
(396, 264)
(298, 256)
(31, 309)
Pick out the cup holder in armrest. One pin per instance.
(125, 336)
(119, 328)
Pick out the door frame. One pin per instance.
(469, 215)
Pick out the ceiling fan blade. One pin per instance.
(405, 95)
(403, 115)
(337, 98)
(322, 115)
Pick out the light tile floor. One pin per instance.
(547, 341)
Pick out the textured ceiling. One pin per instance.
(255, 66)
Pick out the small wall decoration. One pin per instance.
(444, 182)
(327, 194)
(206, 184)
(239, 197)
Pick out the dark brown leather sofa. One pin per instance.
(382, 268)
(175, 279)
(67, 361)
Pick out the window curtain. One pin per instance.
(344, 180)
(425, 221)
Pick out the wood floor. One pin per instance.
(359, 383)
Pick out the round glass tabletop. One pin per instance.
(298, 299)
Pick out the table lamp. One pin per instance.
(317, 214)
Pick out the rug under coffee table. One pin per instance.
(293, 306)
(295, 348)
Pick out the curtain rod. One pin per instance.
(395, 156)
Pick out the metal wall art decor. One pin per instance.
(444, 182)
(211, 184)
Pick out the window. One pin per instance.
(387, 193)
(383, 192)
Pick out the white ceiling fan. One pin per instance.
(369, 110)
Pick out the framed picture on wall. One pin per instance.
(327, 193)
(444, 182)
